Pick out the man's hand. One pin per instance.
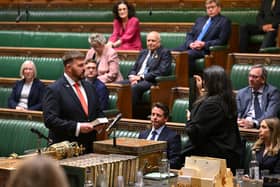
(198, 45)
(99, 128)
(267, 28)
(133, 79)
(86, 127)
(20, 108)
(247, 124)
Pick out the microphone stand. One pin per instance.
(39, 144)
(114, 137)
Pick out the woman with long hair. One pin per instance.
(268, 145)
(212, 127)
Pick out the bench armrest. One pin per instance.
(270, 50)
(166, 78)
(218, 47)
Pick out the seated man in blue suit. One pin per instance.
(257, 101)
(212, 29)
(101, 89)
(159, 131)
(71, 103)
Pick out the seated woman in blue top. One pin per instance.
(28, 92)
(268, 145)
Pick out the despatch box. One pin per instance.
(148, 151)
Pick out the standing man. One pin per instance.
(268, 19)
(258, 101)
(160, 132)
(212, 29)
(100, 87)
(70, 104)
(151, 62)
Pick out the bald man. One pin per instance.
(151, 62)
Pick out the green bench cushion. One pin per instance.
(178, 112)
(102, 15)
(239, 75)
(15, 136)
(47, 68)
(4, 95)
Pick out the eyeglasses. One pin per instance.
(211, 7)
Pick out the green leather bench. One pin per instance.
(105, 15)
(70, 39)
(16, 136)
(4, 95)
(47, 68)
(239, 75)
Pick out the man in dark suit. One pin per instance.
(70, 104)
(151, 62)
(100, 87)
(258, 101)
(159, 131)
(268, 19)
(209, 30)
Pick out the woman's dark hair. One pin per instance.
(217, 83)
(130, 9)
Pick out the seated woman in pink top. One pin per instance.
(126, 29)
(106, 58)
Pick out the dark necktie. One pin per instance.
(257, 106)
(154, 134)
(204, 30)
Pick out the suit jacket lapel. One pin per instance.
(163, 135)
(71, 92)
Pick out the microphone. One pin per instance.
(117, 118)
(27, 13)
(18, 18)
(40, 135)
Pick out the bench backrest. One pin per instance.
(47, 68)
(101, 15)
(4, 95)
(239, 75)
(71, 39)
(16, 137)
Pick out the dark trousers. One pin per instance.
(248, 30)
(193, 55)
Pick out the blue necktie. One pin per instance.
(257, 106)
(154, 134)
(204, 29)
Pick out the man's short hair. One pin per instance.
(163, 107)
(69, 56)
(218, 2)
(90, 61)
(264, 71)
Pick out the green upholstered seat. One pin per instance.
(4, 95)
(47, 68)
(239, 75)
(16, 136)
(247, 155)
(105, 15)
(178, 112)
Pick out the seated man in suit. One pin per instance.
(151, 62)
(209, 30)
(159, 131)
(267, 21)
(101, 89)
(71, 103)
(257, 101)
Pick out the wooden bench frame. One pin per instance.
(251, 58)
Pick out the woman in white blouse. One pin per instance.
(28, 92)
